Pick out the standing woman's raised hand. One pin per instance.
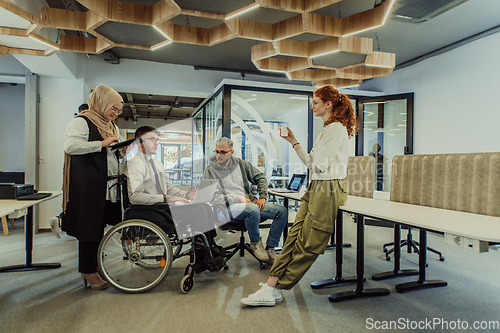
(290, 137)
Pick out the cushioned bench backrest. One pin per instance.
(462, 182)
(359, 180)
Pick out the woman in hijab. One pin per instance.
(89, 199)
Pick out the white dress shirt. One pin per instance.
(76, 143)
(142, 181)
(328, 157)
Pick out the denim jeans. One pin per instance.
(250, 213)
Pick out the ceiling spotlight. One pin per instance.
(150, 95)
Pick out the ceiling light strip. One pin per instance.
(275, 71)
(160, 31)
(243, 11)
(381, 66)
(157, 46)
(388, 12)
(355, 85)
(322, 54)
(357, 32)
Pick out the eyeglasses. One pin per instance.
(314, 103)
(222, 152)
(116, 110)
(153, 140)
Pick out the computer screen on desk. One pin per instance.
(294, 185)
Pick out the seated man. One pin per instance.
(234, 175)
(148, 184)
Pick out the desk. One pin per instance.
(475, 226)
(14, 205)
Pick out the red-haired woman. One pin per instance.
(315, 219)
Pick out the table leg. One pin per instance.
(360, 262)
(29, 266)
(338, 279)
(396, 272)
(4, 225)
(285, 231)
(421, 283)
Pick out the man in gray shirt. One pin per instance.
(234, 176)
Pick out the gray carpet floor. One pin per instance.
(55, 301)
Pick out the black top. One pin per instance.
(87, 192)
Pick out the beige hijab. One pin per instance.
(100, 101)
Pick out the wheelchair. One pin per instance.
(135, 255)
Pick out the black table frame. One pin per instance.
(338, 279)
(360, 292)
(29, 266)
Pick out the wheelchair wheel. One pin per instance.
(135, 255)
(187, 283)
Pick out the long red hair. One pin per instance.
(343, 112)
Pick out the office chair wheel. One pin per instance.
(262, 266)
(187, 283)
(226, 267)
(388, 258)
(441, 258)
(135, 256)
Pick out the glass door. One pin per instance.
(386, 130)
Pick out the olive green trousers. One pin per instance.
(311, 231)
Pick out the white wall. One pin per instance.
(59, 100)
(157, 78)
(455, 98)
(11, 70)
(11, 127)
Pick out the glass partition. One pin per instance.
(255, 120)
(387, 132)
(213, 124)
(198, 158)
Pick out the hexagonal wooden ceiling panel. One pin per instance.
(290, 36)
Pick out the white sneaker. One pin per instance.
(259, 251)
(265, 296)
(271, 254)
(54, 226)
(278, 296)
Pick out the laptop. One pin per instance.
(206, 191)
(294, 184)
(34, 196)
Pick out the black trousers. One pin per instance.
(87, 251)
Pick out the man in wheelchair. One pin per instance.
(149, 185)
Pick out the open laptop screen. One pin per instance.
(296, 182)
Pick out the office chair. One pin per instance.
(241, 246)
(410, 244)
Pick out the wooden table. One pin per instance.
(12, 206)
